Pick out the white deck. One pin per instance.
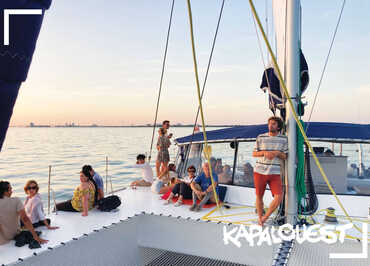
(73, 225)
(135, 202)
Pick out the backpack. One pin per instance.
(109, 203)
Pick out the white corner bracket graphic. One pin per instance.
(8, 12)
(362, 255)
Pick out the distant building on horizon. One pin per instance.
(33, 125)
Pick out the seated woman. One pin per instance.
(218, 168)
(166, 180)
(84, 197)
(245, 178)
(183, 188)
(225, 177)
(33, 206)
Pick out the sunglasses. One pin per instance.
(29, 188)
(191, 171)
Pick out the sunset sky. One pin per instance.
(100, 62)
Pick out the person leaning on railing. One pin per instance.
(271, 149)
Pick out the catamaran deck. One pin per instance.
(142, 218)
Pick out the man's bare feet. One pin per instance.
(263, 220)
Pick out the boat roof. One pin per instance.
(317, 131)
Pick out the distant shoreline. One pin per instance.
(95, 126)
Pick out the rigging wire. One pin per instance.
(267, 25)
(301, 129)
(326, 63)
(206, 152)
(161, 81)
(208, 67)
(262, 57)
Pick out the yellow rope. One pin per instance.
(206, 153)
(296, 117)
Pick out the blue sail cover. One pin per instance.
(319, 131)
(271, 83)
(15, 59)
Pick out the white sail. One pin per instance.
(287, 19)
(279, 9)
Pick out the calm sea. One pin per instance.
(28, 152)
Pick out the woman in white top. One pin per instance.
(33, 206)
(183, 188)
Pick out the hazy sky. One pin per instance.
(100, 62)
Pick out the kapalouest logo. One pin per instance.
(255, 235)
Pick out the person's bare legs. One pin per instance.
(133, 183)
(259, 207)
(169, 200)
(157, 167)
(141, 183)
(165, 189)
(164, 167)
(273, 205)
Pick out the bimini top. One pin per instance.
(317, 131)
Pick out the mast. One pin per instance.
(292, 81)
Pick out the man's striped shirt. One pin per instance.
(264, 142)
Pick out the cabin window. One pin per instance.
(347, 167)
(189, 156)
(222, 160)
(243, 175)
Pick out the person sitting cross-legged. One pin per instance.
(147, 172)
(202, 188)
(183, 188)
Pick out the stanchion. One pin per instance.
(49, 189)
(106, 175)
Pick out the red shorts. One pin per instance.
(274, 182)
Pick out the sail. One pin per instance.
(15, 58)
(279, 13)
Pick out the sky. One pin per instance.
(100, 62)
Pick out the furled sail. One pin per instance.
(15, 58)
(270, 80)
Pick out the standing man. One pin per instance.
(11, 209)
(98, 180)
(166, 126)
(270, 149)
